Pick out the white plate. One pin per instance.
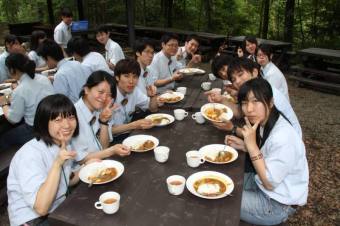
(210, 174)
(137, 140)
(212, 151)
(5, 85)
(228, 114)
(191, 71)
(96, 167)
(161, 115)
(6, 91)
(169, 95)
(49, 71)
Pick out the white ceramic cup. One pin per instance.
(206, 85)
(227, 83)
(194, 158)
(108, 202)
(161, 153)
(212, 77)
(198, 117)
(180, 114)
(182, 90)
(176, 184)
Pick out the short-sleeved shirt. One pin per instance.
(275, 77)
(62, 34)
(94, 61)
(163, 68)
(4, 74)
(114, 52)
(86, 141)
(184, 60)
(283, 105)
(70, 79)
(38, 60)
(27, 173)
(286, 165)
(145, 79)
(26, 97)
(123, 114)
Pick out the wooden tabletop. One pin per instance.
(145, 199)
(324, 53)
(273, 43)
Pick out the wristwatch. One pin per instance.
(103, 123)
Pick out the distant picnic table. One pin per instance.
(321, 69)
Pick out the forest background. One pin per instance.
(305, 23)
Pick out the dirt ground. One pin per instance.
(319, 115)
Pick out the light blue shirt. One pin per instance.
(26, 97)
(283, 105)
(27, 173)
(286, 165)
(162, 70)
(86, 141)
(276, 79)
(70, 79)
(114, 52)
(94, 61)
(38, 60)
(143, 82)
(4, 74)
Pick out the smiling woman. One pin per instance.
(40, 171)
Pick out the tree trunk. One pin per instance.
(289, 21)
(265, 19)
(261, 20)
(144, 13)
(169, 13)
(208, 12)
(301, 24)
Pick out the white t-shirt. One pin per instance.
(62, 34)
(94, 61)
(275, 77)
(286, 165)
(114, 52)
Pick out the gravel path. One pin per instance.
(319, 115)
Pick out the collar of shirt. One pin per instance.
(266, 68)
(108, 44)
(24, 78)
(88, 115)
(60, 63)
(167, 58)
(121, 97)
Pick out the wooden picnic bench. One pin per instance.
(321, 69)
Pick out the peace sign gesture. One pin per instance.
(107, 111)
(249, 133)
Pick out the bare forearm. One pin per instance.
(153, 106)
(123, 128)
(98, 155)
(48, 191)
(162, 82)
(104, 136)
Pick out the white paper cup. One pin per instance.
(198, 117)
(180, 114)
(108, 202)
(175, 184)
(212, 77)
(161, 153)
(194, 158)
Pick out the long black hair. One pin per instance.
(48, 109)
(20, 62)
(36, 36)
(263, 92)
(97, 77)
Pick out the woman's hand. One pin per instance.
(151, 90)
(214, 97)
(143, 124)
(235, 142)
(120, 149)
(249, 134)
(106, 113)
(177, 76)
(232, 91)
(64, 154)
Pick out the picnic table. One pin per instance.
(279, 48)
(321, 69)
(145, 199)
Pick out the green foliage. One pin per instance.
(317, 22)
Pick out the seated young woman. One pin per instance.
(37, 37)
(31, 90)
(250, 46)
(41, 171)
(270, 72)
(277, 152)
(94, 110)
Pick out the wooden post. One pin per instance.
(130, 21)
(50, 12)
(80, 9)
